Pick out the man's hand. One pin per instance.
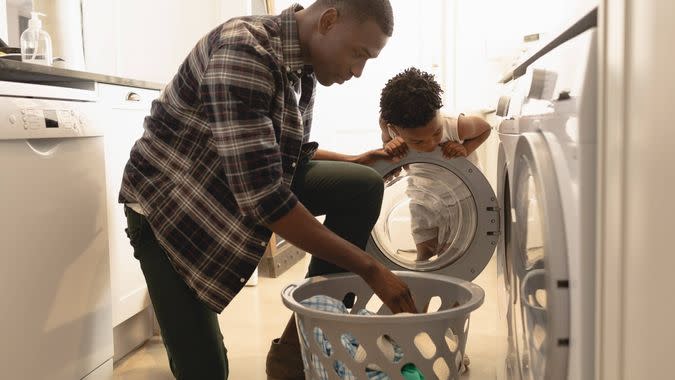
(391, 289)
(371, 156)
(396, 148)
(452, 149)
(300, 228)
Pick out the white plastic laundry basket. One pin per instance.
(433, 340)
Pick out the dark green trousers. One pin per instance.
(349, 195)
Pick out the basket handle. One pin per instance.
(289, 289)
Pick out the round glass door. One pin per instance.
(428, 217)
(438, 215)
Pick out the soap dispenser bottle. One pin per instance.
(36, 45)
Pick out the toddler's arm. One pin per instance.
(473, 130)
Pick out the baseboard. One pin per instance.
(103, 372)
(133, 333)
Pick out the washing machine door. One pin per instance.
(438, 215)
(504, 246)
(506, 291)
(541, 308)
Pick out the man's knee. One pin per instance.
(371, 184)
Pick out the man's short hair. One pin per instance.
(410, 99)
(377, 10)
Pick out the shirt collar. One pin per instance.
(290, 39)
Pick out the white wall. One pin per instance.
(14, 9)
(489, 38)
(636, 247)
(139, 39)
(233, 8)
(12, 25)
(153, 41)
(3, 20)
(100, 23)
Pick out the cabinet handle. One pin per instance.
(133, 97)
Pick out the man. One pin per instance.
(225, 161)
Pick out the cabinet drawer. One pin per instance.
(122, 97)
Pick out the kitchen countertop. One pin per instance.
(15, 71)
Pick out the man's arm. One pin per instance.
(301, 229)
(327, 155)
(366, 158)
(473, 130)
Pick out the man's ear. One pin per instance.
(328, 19)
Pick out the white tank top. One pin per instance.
(450, 133)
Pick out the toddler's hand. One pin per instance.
(452, 149)
(396, 148)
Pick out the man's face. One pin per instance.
(425, 138)
(341, 49)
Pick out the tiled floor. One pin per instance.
(257, 316)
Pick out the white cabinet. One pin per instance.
(3, 19)
(127, 109)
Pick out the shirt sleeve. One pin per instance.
(237, 91)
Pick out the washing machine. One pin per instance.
(448, 202)
(509, 131)
(546, 186)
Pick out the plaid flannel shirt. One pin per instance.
(215, 163)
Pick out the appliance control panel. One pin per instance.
(31, 118)
(48, 118)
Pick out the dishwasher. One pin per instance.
(56, 314)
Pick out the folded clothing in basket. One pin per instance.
(390, 349)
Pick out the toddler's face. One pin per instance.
(425, 138)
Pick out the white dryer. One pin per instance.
(509, 132)
(547, 185)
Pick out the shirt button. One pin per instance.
(288, 68)
(293, 164)
(299, 71)
(263, 243)
(242, 280)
